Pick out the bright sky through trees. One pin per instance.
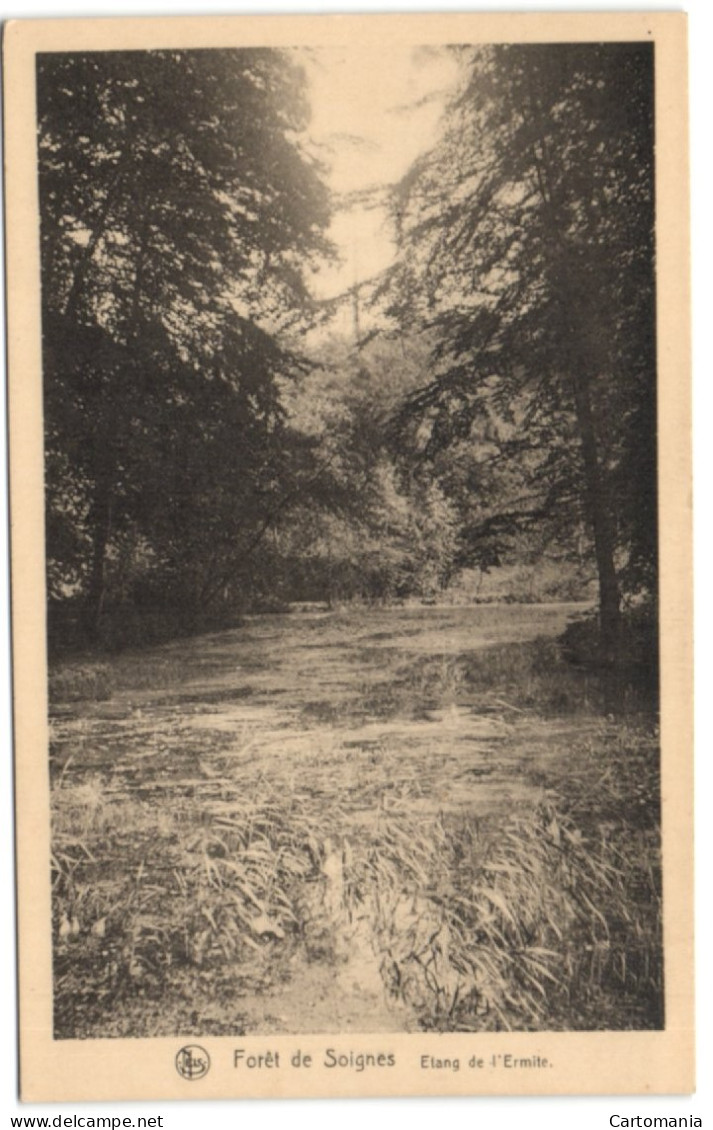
(374, 109)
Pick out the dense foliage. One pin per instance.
(178, 214)
(527, 251)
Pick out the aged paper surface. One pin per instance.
(329, 999)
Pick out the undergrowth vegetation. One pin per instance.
(542, 676)
(195, 872)
(526, 924)
(141, 893)
(530, 925)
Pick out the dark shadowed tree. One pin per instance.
(177, 216)
(527, 250)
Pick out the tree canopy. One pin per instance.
(201, 452)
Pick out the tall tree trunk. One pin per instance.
(600, 522)
(582, 349)
(96, 587)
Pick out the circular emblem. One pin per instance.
(192, 1062)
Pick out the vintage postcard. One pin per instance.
(351, 555)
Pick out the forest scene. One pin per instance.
(349, 370)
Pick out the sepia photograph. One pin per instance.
(347, 374)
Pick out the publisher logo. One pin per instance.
(192, 1062)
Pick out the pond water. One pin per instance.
(284, 688)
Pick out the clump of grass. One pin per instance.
(539, 675)
(525, 926)
(611, 780)
(77, 682)
(145, 670)
(93, 680)
(137, 899)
